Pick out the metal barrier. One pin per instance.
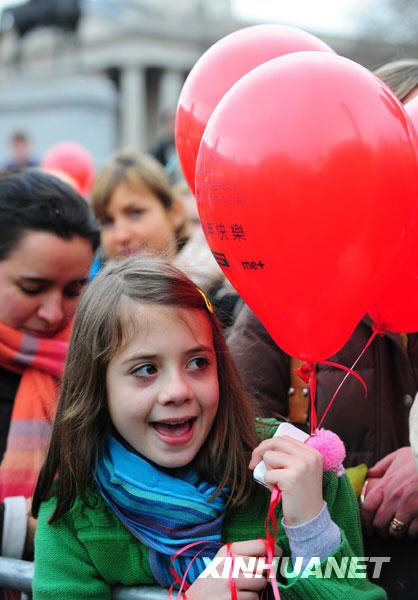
(18, 574)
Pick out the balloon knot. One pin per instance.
(378, 329)
(305, 371)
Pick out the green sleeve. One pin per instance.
(63, 568)
(338, 576)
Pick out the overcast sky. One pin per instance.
(331, 16)
(337, 16)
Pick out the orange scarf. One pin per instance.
(41, 362)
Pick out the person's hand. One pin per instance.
(296, 469)
(392, 493)
(248, 587)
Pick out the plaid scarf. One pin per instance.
(41, 362)
(164, 512)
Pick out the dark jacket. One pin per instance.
(370, 427)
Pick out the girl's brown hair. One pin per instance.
(83, 423)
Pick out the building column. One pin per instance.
(170, 86)
(133, 107)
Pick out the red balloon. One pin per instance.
(306, 181)
(73, 160)
(396, 308)
(222, 65)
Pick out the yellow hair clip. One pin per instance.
(207, 301)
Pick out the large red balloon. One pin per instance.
(306, 182)
(72, 159)
(396, 308)
(222, 65)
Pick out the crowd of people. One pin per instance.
(134, 412)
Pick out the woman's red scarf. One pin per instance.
(41, 362)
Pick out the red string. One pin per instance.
(270, 525)
(181, 581)
(232, 585)
(312, 392)
(377, 330)
(307, 372)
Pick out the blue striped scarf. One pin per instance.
(164, 512)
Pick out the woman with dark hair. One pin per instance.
(48, 236)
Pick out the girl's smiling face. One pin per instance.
(162, 385)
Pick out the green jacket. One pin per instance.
(89, 550)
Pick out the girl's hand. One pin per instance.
(296, 469)
(219, 588)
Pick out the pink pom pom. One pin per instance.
(332, 449)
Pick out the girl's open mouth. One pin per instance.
(175, 431)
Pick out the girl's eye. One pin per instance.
(144, 371)
(199, 363)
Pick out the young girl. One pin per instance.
(150, 454)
